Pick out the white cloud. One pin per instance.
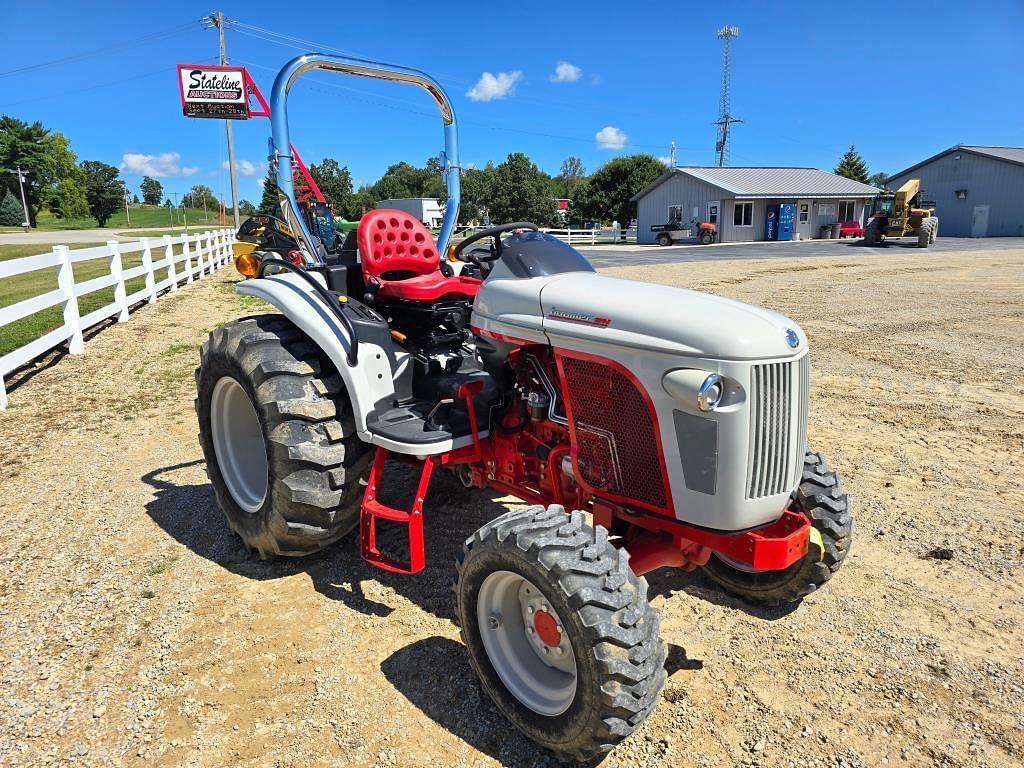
(664, 159)
(491, 87)
(244, 167)
(610, 137)
(164, 164)
(566, 73)
(261, 181)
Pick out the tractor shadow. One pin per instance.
(188, 513)
(667, 582)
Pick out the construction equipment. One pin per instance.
(894, 214)
(674, 423)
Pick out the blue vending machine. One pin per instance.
(786, 213)
(771, 222)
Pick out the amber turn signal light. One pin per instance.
(247, 264)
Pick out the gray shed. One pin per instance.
(977, 191)
(736, 199)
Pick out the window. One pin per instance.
(742, 214)
(847, 210)
(804, 212)
(675, 214)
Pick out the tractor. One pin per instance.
(894, 214)
(642, 426)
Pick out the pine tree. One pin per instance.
(852, 166)
(11, 212)
(269, 203)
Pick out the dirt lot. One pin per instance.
(134, 630)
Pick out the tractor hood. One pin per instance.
(605, 310)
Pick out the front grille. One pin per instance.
(778, 432)
(615, 432)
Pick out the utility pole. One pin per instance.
(725, 119)
(24, 205)
(175, 206)
(126, 214)
(672, 155)
(218, 21)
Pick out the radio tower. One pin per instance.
(725, 34)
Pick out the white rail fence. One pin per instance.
(186, 258)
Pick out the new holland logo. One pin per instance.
(792, 338)
(578, 317)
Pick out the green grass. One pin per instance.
(15, 289)
(143, 216)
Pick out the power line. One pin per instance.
(74, 58)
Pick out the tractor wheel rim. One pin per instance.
(526, 644)
(239, 444)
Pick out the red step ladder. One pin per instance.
(373, 510)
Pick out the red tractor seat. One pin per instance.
(400, 259)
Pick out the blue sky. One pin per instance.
(808, 80)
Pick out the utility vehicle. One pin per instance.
(643, 426)
(703, 232)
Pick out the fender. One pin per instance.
(370, 381)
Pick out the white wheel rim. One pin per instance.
(239, 445)
(540, 674)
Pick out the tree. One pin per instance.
(44, 154)
(135, 199)
(477, 191)
(152, 190)
(335, 182)
(200, 196)
(521, 193)
(605, 196)
(878, 179)
(103, 190)
(362, 201)
(404, 180)
(246, 208)
(11, 213)
(68, 199)
(270, 202)
(852, 166)
(569, 177)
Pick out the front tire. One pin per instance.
(821, 498)
(559, 630)
(276, 428)
(706, 238)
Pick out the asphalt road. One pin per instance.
(617, 255)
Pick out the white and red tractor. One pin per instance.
(645, 426)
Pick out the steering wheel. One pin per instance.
(496, 233)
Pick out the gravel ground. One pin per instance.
(135, 630)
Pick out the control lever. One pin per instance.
(431, 424)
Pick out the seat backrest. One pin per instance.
(396, 241)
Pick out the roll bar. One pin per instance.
(280, 144)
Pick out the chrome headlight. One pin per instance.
(709, 395)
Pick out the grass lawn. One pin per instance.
(15, 289)
(143, 216)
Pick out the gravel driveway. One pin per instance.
(136, 630)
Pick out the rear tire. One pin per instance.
(935, 229)
(664, 239)
(821, 498)
(603, 622)
(706, 238)
(269, 401)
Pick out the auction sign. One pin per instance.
(208, 90)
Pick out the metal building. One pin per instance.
(737, 200)
(977, 191)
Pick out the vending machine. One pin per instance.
(771, 222)
(787, 212)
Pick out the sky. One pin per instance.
(591, 79)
